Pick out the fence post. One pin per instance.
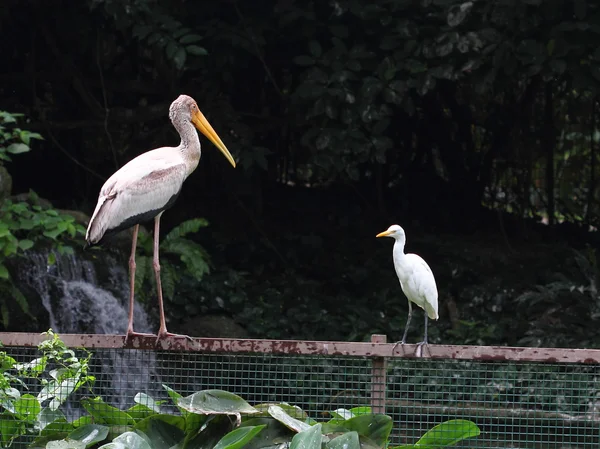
(378, 380)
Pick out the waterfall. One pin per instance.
(80, 300)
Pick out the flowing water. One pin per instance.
(80, 300)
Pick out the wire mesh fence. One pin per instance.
(516, 404)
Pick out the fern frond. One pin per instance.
(143, 268)
(187, 227)
(169, 278)
(193, 255)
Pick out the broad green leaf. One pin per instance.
(48, 416)
(292, 423)
(190, 39)
(65, 444)
(25, 244)
(348, 440)
(131, 440)
(10, 428)
(139, 412)
(293, 410)
(342, 413)
(59, 425)
(273, 434)
(448, 433)
(89, 434)
(308, 439)
(163, 430)
(28, 407)
(215, 402)
(211, 432)
(106, 414)
(175, 397)
(238, 438)
(357, 411)
(87, 419)
(3, 272)
(17, 148)
(196, 50)
(375, 427)
(147, 401)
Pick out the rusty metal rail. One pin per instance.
(297, 347)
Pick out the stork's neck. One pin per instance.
(190, 143)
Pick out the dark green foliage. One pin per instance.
(344, 117)
(180, 257)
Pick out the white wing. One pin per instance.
(140, 188)
(419, 285)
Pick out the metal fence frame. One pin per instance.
(378, 350)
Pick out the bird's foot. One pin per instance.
(162, 334)
(131, 334)
(401, 342)
(419, 351)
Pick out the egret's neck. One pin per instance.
(190, 144)
(399, 256)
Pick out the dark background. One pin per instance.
(474, 125)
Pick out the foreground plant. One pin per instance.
(59, 373)
(222, 420)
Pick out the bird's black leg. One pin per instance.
(162, 331)
(130, 332)
(426, 321)
(403, 341)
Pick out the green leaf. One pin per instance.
(131, 440)
(48, 416)
(4, 272)
(106, 414)
(139, 412)
(17, 148)
(59, 425)
(196, 50)
(239, 437)
(448, 433)
(273, 431)
(89, 434)
(164, 431)
(28, 407)
(308, 439)
(174, 398)
(65, 444)
(148, 401)
(291, 423)
(375, 427)
(25, 244)
(190, 39)
(10, 428)
(348, 440)
(215, 402)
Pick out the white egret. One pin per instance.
(416, 279)
(146, 186)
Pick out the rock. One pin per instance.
(45, 204)
(80, 217)
(211, 326)
(5, 183)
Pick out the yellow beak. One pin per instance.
(383, 234)
(204, 127)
